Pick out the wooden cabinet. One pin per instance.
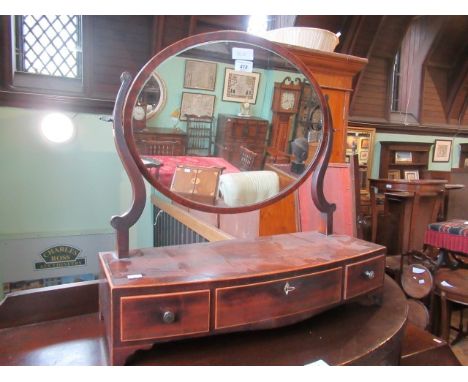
(463, 155)
(164, 294)
(233, 132)
(396, 158)
(160, 135)
(334, 72)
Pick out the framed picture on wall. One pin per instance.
(196, 104)
(411, 175)
(200, 75)
(364, 143)
(403, 157)
(442, 150)
(363, 156)
(240, 86)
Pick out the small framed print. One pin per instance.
(442, 150)
(364, 143)
(240, 86)
(200, 75)
(394, 174)
(411, 174)
(197, 104)
(363, 156)
(403, 157)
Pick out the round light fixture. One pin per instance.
(57, 127)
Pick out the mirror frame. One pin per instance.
(193, 41)
(162, 100)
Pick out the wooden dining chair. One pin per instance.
(247, 159)
(157, 148)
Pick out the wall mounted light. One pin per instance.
(57, 128)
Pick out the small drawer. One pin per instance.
(364, 276)
(166, 315)
(249, 304)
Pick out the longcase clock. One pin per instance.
(285, 104)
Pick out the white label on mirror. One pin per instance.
(243, 66)
(242, 54)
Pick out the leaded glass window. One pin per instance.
(49, 45)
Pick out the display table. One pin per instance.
(169, 164)
(352, 334)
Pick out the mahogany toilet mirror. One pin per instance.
(193, 89)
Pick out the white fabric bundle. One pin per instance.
(248, 187)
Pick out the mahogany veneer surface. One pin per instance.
(228, 260)
(349, 334)
(173, 293)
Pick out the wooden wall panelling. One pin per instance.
(434, 93)
(371, 98)
(120, 43)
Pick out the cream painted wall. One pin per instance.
(60, 189)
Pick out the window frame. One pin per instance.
(19, 89)
(43, 82)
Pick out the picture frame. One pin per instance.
(364, 144)
(465, 163)
(403, 157)
(394, 174)
(197, 104)
(200, 75)
(363, 156)
(240, 86)
(442, 150)
(411, 174)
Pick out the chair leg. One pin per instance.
(446, 316)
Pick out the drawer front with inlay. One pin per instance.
(364, 276)
(254, 303)
(167, 315)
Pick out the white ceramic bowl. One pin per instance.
(312, 38)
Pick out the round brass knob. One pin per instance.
(168, 317)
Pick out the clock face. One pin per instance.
(287, 100)
(139, 113)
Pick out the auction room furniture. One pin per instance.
(199, 135)
(247, 159)
(463, 163)
(408, 208)
(452, 286)
(403, 156)
(451, 237)
(76, 336)
(159, 134)
(236, 131)
(156, 295)
(456, 195)
(157, 148)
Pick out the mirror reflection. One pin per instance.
(234, 119)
